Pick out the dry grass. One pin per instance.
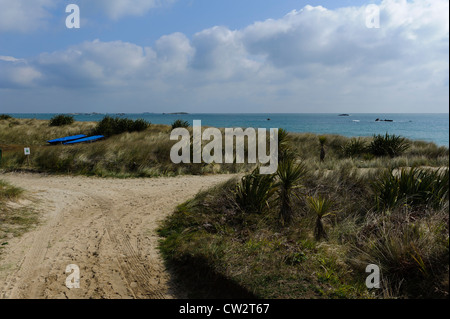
(147, 153)
(15, 218)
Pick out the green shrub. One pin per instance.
(289, 174)
(180, 123)
(61, 120)
(321, 206)
(388, 145)
(254, 192)
(411, 255)
(5, 117)
(412, 187)
(111, 126)
(354, 148)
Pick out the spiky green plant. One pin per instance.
(285, 150)
(322, 207)
(388, 145)
(254, 192)
(412, 187)
(289, 176)
(355, 147)
(322, 141)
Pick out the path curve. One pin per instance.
(107, 227)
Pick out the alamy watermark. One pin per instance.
(73, 280)
(373, 16)
(234, 152)
(373, 280)
(73, 19)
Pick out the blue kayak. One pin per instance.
(66, 139)
(86, 139)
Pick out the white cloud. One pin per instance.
(24, 15)
(310, 60)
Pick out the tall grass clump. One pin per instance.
(8, 191)
(289, 175)
(254, 192)
(322, 141)
(355, 147)
(61, 120)
(321, 206)
(5, 117)
(413, 187)
(388, 145)
(109, 126)
(180, 124)
(412, 253)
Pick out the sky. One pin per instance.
(225, 56)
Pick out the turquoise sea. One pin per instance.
(426, 127)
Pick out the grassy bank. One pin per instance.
(136, 154)
(147, 153)
(212, 235)
(311, 229)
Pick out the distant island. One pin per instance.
(344, 115)
(176, 113)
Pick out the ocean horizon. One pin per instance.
(429, 127)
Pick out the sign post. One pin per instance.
(27, 153)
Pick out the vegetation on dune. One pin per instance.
(5, 117)
(333, 226)
(14, 220)
(180, 124)
(61, 120)
(110, 126)
(144, 150)
(388, 145)
(309, 230)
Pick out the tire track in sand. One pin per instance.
(106, 226)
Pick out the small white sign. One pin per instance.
(26, 150)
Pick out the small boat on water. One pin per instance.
(378, 120)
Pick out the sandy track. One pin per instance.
(105, 226)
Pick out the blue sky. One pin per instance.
(224, 56)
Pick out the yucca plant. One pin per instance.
(289, 176)
(322, 141)
(355, 147)
(322, 207)
(284, 146)
(254, 192)
(412, 187)
(388, 145)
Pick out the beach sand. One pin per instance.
(107, 227)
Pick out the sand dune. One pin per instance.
(104, 226)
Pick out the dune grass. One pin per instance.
(306, 232)
(335, 232)
(146, 153)
(342, 217)
(15, 220)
